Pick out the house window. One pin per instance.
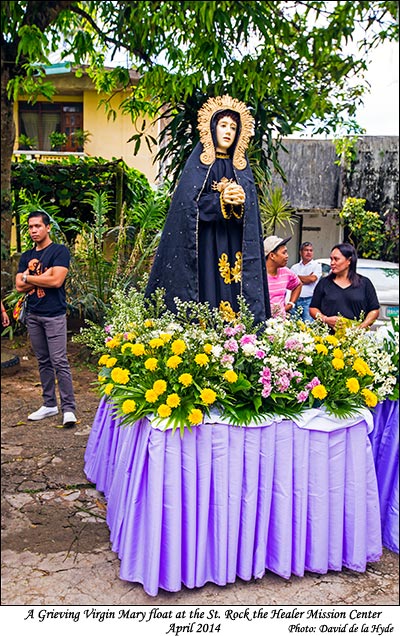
(39, 120)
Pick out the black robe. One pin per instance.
(196, 235)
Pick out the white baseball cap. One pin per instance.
(272, 242)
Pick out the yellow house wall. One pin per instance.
(110, 137)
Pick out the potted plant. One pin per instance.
(79, 138)
(57, 140)
(26, 143)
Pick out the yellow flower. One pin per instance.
(353, 385)
(127, 345)
(103, 359)
(337, 364)
(332, 340)
(178, 346)
(101, 378)
(120, 376)
(201, 359)
(108, 388)
(319, 392)
(320, 348)
(165, 337)
(164, 410)
(151, 364)
(369, 397)
(173, 362)
(128, 406)
(361, 367)
(111, 362)
(155, 343)
(353, 351)
(130, 336)
(195, 416)
(207, 348)
(338, 353)
(148, 323)
(230, 376)
(208, 396)
(185, 379)
(111, 344)
(173, 400)
(160, 386)
(151, 396)
(138, 349)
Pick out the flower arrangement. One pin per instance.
(177, 367)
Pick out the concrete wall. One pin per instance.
(316, 186)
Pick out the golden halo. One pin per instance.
(205, 114)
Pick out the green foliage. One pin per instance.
(366, 228)
(275, 211)
(346, 149)
(65, 183)
(106, 257)
(26, 143)
(57, 140)
(184, 52)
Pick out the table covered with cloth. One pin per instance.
(224, 501)
(385, 448)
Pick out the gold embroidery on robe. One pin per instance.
(230, 274)
(226, 311)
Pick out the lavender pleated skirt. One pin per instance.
(225, 502)
(385, 447)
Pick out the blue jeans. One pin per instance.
(305, 304)
(48, 335)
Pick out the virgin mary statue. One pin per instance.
(211, 248)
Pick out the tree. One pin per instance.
(287, 60)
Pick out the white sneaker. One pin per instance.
(44, 411)
(69, 418)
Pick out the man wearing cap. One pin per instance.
(309, 272)
(280, 278)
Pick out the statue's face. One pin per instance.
(226, 132)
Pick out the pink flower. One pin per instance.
(266, 391)
(231, 345)
(227, 359)
(302, 396)
(314, 382)
(229, 331)
(292, 343)
(260, 354)
(248, 339)
(107, 328)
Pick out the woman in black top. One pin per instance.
(344, 292)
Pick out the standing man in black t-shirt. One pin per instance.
(41, 274)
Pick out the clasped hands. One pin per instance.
(234, 194)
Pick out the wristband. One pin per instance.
(289, 302)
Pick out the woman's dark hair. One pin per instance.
(215, 119)
(45, 217)
(228, 113)
(348, 251)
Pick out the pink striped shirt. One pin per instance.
(277, 286)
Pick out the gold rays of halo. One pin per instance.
(205, 114)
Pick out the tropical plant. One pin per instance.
(79, 137)
(57, 140)
(275, 211)
(105, 256)
(26, 143)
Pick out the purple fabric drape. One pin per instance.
(385, 447)
(225, 502)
